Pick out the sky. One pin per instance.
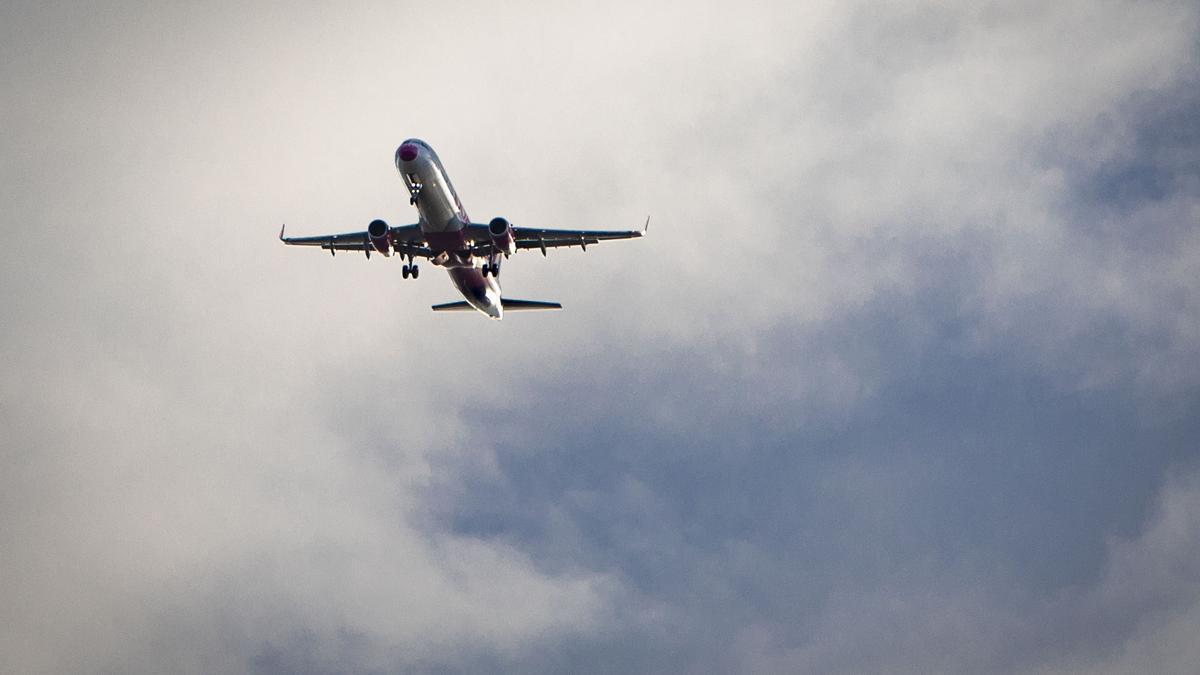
(904, 379)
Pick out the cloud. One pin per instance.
(900, 380)
(1131, 620)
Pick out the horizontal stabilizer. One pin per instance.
(460, 306)
(511, 305)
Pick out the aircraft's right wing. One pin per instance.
(540, 238)
(532, 237)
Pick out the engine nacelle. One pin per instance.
(380, 235)
(502, 237)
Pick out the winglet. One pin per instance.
(646, 227)
(281, 229)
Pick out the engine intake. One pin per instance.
(380, 235)
(502, 236)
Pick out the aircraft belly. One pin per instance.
(436, 201)
(438, 217)
(453, 240)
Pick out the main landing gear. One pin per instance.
(493, 270)
(412, 270)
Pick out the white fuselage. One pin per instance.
(443, 221)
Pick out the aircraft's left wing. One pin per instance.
(406, 240)
(532, 237)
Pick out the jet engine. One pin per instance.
(378, 232)
(502, 236)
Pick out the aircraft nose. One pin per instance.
(407, 152)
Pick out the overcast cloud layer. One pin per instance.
(905, 379)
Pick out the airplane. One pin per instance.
(470, 253)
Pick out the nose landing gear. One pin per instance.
(415, 190)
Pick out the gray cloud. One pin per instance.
(902, 380)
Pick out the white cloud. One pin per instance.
(217, 450)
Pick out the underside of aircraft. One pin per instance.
(471, 254)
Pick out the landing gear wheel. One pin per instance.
(485, 269)
(412, 200)
(404, 272)
(416, 271)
